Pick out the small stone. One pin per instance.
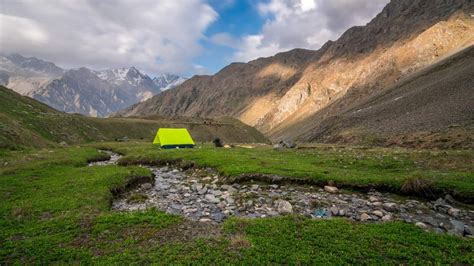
(331, 189)
(378, 214)
(254, 187)
(197, 187)
(274, 186)
(217, 193)
(377, 204)
(421, 225)
(454, 212)
(230, 200)
(204, 220)
(342, 212)
(387, 218)
(458, 227)
(211, 198)
(467, 230)
(364, 217)
(334, 211)
(202, 191)
(218, 217)
(147, 186)
(284, 206)
(373, 199)
(390, 206)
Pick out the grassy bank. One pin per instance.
(391, 169)
(56, 209)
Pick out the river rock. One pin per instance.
(147, 186)
(454, 212)
(331, 189)
(373, 199)
(421, 225)
(390, 206)
(458, 227)
(386, 218)
(364, 217)
(211, 198)
(378, 214)
(284, 207)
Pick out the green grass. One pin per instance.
(55, 209)
(26, 123)
(448, 171)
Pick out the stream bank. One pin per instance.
(199, 194)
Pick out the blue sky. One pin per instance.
(183, 37)
(236, 18)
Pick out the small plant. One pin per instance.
(137, 198)
(238, 242)
(417, 185)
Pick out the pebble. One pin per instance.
(331, 189)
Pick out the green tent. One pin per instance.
(171, 138)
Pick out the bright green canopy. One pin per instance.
(173, 138)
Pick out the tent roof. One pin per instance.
(173, 136)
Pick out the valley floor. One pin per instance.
(56, 208)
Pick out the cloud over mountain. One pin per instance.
(152, 35)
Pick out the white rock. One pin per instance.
(331, 189)
(373, 199)
(421, 225)
(378, 214)
(390, 206)
(284, 207)
(387, 218)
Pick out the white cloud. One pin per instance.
(304, 24)
(153, 35)
(224, 39)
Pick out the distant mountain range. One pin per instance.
(81, 90)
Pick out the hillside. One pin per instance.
(25, 122)
(431, 108)
(280, 93)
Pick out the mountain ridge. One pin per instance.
(100, 93)
(280, 91)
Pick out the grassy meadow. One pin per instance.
(56, 209)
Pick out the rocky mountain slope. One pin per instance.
(25, 122)
(276, 94)
(430, 108)
(26, 74)
(85, 91)
(168, 81)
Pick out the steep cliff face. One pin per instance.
(275, 94)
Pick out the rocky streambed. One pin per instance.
(199, 194)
